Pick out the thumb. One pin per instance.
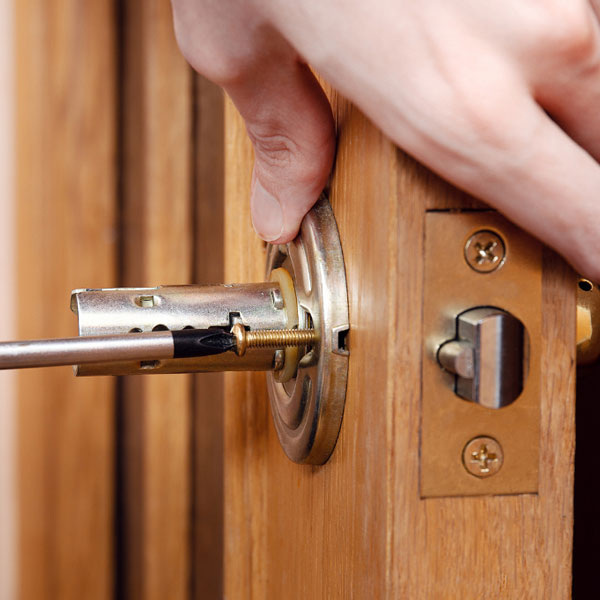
(289, 121)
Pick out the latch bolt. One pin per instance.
(488, 357)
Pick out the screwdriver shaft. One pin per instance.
(86, 349)
(155, 345)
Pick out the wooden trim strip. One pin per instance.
(65, 148)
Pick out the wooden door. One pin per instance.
(358, 526)
(124, 488)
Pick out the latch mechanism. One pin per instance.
(482, 327)
(487, 356)
(294, 326)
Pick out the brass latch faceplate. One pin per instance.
(481, 356)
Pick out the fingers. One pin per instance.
(556, 198)
(543, 180)
(289, 121)
(287, 115)
(471, 117)
(570, 88)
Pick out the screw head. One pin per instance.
(483, 456)
(485, 251)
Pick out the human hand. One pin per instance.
(464, 86)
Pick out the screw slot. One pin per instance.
(482, 457)
(485, 251)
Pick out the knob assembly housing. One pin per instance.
(297, 319)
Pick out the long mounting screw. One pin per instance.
(271, 338)
(483, 456)
(485, 251)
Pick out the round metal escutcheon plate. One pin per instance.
(308, 409)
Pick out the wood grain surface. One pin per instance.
(120, 182)
(246, 405)
(208, 394)
(357, 526)
(66, 235)
(157, 237)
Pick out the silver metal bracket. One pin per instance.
(174, 308)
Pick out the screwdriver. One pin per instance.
(155, 345)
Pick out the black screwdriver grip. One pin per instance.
(190, 343)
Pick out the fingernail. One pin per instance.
(267, 216)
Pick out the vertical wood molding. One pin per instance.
(8, 421)
(207, 447)
(157, 236)
(357, 526)
(246, 403)
(65, 148)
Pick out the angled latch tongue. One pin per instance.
(488, 357)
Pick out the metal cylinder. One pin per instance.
(123, 310)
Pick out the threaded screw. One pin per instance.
(271, 338)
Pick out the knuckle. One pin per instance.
(570, 33)
(207, 55)
(273, 148)
(488, 123)
(278, 151)
(485, 141)
(475, 111)
(224, 70)
(216, 65)
(184, 36)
